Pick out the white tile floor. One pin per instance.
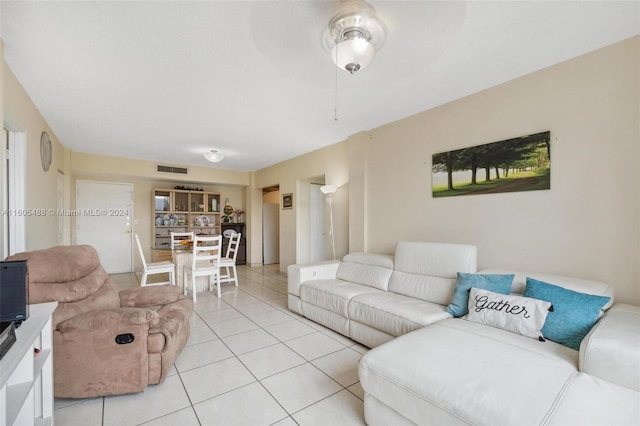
(249, 361)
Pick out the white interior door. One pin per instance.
(270, 234)
(316, 224)
(105, 211)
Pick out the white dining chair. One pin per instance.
(228, 262)
(155, 268)
(205, 261)
(177, 237)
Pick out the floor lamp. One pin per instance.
(328, 191)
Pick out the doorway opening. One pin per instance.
(317, 234)
(13, 190)
(271, 225)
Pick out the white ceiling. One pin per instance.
(168, 80)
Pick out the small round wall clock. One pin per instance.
(45, 151)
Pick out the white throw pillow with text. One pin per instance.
(522, 315)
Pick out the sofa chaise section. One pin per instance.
(457, 371)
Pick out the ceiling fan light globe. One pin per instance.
(352, 55)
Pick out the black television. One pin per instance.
(14, 290)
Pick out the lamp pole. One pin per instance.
(328, 191)
(333, 242)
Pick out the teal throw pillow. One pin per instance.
(573, 313)
(497, 283)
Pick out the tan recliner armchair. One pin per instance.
(105, 342)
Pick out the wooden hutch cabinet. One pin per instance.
(176, 210)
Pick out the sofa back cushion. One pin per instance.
(63, 274)
(576, 284)
(370, 269)
(575, 309)
(428, 271)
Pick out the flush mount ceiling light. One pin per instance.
(214, 156)
(356, 33)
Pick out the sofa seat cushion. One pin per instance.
(332, 294)
(393, 313)
(482, 375)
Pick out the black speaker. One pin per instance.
(14, 289)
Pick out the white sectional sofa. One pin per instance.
(430, 368)
(373, 298)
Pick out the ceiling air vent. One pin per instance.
(172, 169)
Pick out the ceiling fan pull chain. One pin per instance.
(335, 100)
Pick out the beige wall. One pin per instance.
(41, 186)
(104, 165)
(587, 225)
(141, 174)
(293, 176)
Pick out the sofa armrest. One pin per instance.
(109, 318)
(150, 296)
(611, 350)
(297, 274)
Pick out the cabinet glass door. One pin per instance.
(162, 201)
(214, 203)
(197, 202)
(181, 200)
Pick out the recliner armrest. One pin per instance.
(150, 296)
(109, 318)
(611, 350)
(173, 318)
(297, 274)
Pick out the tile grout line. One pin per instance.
(257, 380)
(307, 361)
(271, 300)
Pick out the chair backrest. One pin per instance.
(176, 237)
(206, 248)
(232, 248)
(144, 262)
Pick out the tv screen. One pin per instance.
(14, 290)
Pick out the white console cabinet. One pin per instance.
(26, 379)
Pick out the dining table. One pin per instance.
(182, 257)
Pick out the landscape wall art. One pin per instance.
(518, 164)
